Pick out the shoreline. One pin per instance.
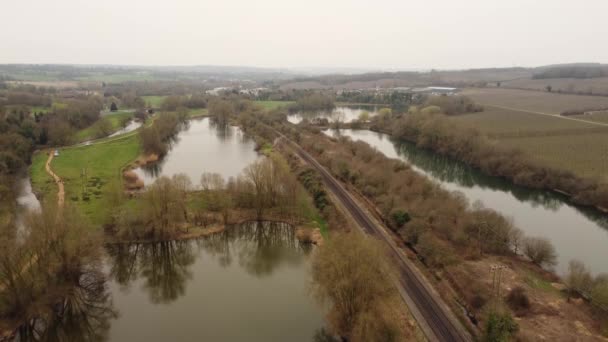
(569, 198)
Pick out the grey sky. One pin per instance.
(313, 33)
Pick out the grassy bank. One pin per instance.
(100, 162)
(154, 101)
(273, 104)
(42, 183)
(116, 120)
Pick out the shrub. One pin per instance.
(499, 327)
(540, 251)
(518, 300)
(399, 218)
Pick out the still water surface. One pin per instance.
(248, 283)
(129, 127)
(342, 114)
(577, 233)
(203, 146)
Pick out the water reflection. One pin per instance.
(247, 283)
(203, 145)
(577, 232)
(164, 266)
(341, 114)
(26, 201)
(84, 314)
(259, 247)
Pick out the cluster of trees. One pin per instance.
(397, 101)
(52, 270)
(54, 125)
(351, 275)
(28, 98)
(19, 133)
(155, 139)
(312, 102)
(433, 221)
(170, 205)
(452, 105)
(79, 112)
(581, 282)
(173, 102)
(436, 132)
(221, 110)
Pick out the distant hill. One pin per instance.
(573, 70)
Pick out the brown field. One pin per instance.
(536, 101)
(497, 122)
(594, 116)
(578, 143)
(568, 85)
(583, 154)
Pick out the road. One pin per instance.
(433, 316)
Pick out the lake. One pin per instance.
(203, 146)
(248, 283)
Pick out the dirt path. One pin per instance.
(58, 181)
(557, 116)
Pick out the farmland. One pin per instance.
(585, 154)
(536, 101)
(597, 85)
(514, 119)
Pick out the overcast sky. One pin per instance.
(384, 34)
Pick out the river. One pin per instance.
(203, 146)
(576, 232)
(340, 113)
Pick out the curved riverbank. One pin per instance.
(536, 212)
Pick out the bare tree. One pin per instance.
(540, 251)
(352, 274)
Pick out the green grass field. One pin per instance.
(196, 112)
(102, 163)
(116, 119)
(273, 104)
(154, 101)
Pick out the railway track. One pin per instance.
(433, 316)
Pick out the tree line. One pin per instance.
(170, 206)
(436, 132)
